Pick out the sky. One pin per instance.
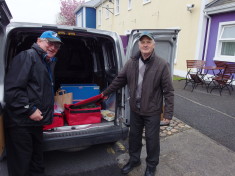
(36, 11)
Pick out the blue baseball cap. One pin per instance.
(51, 36)
(147, 34)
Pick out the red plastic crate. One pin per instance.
(58, 121)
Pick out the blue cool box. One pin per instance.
(81, 91)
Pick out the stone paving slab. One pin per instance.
(176, 126)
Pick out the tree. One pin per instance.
(67, 9)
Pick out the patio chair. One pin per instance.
(224, 80)
(220, 64)
(217, 71)
(194, 73)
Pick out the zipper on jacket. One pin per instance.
(50, 75)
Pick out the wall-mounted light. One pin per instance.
(190, 7)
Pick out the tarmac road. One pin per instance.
(211, 114)
(96, 160)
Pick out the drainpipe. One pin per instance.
(207, 35)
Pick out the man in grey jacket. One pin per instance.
(149, 82)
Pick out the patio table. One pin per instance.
(209, 79)
(213, 68)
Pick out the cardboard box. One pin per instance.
(81, 91)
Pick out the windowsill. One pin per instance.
(228, 59)
(116, 14)
(129, 9)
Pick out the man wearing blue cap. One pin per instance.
(29, 97)
(149, 81)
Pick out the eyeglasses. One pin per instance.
(55, 44)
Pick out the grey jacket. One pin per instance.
(157, 84)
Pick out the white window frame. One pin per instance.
(79, 20)
(129, 5)
(99, 18)
(146, 1)
(117, 7)
(219, 41)
(107, 12)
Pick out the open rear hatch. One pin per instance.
(86, 57)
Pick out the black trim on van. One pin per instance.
(76, 139)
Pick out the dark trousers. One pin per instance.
(152, 129)
(24, 151)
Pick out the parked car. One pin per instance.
(88, 56)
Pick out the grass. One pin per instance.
(177, 78)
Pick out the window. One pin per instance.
(117, 7)
(146, 1)
(129, 4)
(107, 11)
(99, 18)
(225, 49)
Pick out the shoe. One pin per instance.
(163, 123)
(150, 171)
(130, 166)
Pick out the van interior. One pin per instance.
(84, 58)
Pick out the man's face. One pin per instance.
(146, 45)
(51, 48)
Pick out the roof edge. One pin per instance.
(220, 9)
(101, 2)
(211, 3)
(4, 7)
(86, 4)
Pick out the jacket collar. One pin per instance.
(42, 53)
(39, 50)
(138, 55)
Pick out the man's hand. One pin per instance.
(103, 96)
(36, 116)
(165, 122)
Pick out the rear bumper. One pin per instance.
(78, 139)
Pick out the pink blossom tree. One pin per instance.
(67, 9)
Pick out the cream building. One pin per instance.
(122, 16)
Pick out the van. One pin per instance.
(5, 16)
(88, 56)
